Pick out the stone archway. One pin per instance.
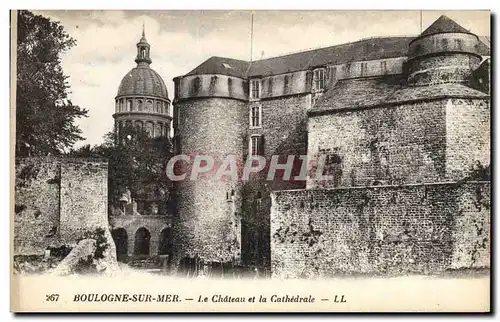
(142, 242)
(165, 247)
(120, 238)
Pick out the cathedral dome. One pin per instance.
(142, 98)
(144, 81)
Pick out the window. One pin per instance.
(150, 129)
(286, 83)
(139, 105)
(347, 69)
(255, 88)
(143, 53)
(333, 73)
(158, 107)
(383, 67)
(364, 69)
(319, 79)
(258, 199)
(256, 145)
(150, 106)
(256, 116)
(129, 105)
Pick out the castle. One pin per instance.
(402, 123)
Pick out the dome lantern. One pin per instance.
(143, 50)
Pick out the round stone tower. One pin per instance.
(445, 52)
(210, 119)
(142, 98)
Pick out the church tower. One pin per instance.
(142, 98)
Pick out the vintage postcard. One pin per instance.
(250, 161)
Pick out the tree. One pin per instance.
(44, 114)
(135, 162)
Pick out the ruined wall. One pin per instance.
(57, 201)
(84, 197)
(37, 205)
(393, 144)
(384, 230)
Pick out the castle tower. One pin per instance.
(210, 119)
(142, 98)
(444, 53)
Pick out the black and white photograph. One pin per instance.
(250, 150)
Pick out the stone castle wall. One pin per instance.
(398, 144)
(380, 230)
(284, 132)
(84, 198)
(467, 136)
(56, 201)
(429, 141)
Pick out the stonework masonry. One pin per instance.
(57, 201)
(154, 224)
(380, 230)
(401, 122)
(207, 222)
(409, 143)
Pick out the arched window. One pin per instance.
(121, 241)
(165, 247)
(129, 105)
(143, 52)
(150, 106)
(149, 128)
(122, 108)
(138, 124)
(139, 105)
(141, 241)
(158, 107)
(159, 131)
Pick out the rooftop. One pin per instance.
(366, 49)
(444, 25)
(362, 50)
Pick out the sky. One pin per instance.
(181, 40)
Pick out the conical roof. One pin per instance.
(444, 25)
